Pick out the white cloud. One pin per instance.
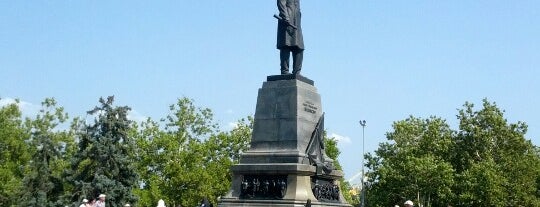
(341, 138)
(30, 110)
(135, 116)
(27, 109)
(232, 125)
(229, 111)
(6, 101)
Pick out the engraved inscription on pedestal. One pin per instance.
(310, 107)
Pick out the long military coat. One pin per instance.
(288, 36)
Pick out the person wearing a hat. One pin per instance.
(161, 203)
(409, 203)
(127, 205)
(84, 202)
(101, 201)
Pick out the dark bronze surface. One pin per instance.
(289, 35)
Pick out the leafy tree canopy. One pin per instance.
(486, 162)
(184, 157)
(14, 153)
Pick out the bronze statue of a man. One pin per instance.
(289, 35)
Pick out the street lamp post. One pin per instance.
(363, 196)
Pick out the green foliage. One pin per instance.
(43, 185)
(487, 162)
(481, 185)
(14, 154)
(332, 151)
(102, 163)
(185, 157)
(181, 159)
(221, 153)
(189, 159)
(495, 155)
(410, 167)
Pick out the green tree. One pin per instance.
(499, 166)
(221, 153)
(14, 153)
(170, 164)
(482, 185)
(487, 162)
(413, 165)
(332, 151)
(146, 152)
(102, 163)
(188, 159)
(43, 184)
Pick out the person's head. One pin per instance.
(409, 203)
(85, 201)
(127, 205)
(161, 203)
(102, 197)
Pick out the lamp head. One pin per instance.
(363, 123)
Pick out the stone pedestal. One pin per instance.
(276, 171)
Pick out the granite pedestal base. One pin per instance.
(276, 170)
(300, 180)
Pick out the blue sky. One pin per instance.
(375, 60)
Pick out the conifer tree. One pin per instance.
(102, 163)
(43, 184)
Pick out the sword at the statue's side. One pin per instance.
(316, 132)
(288, 23)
